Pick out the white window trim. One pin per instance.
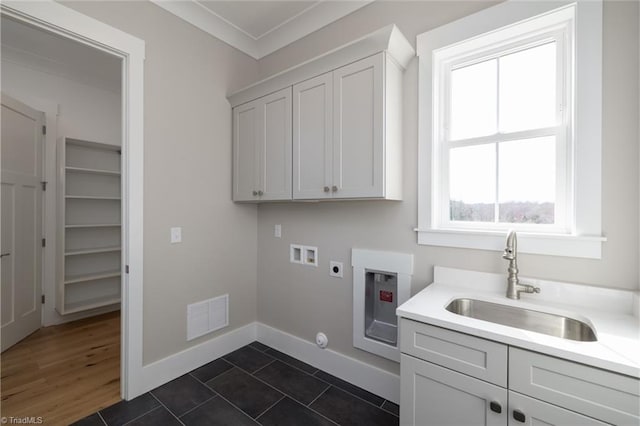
(585, 240)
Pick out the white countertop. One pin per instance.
(612, 313)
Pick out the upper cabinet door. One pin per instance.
(245, 151)
(275, 146)
(262, 148)
(358, 145)
(312, 138)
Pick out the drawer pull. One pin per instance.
(495, 407)
(519, 416)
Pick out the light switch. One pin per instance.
(277, 231)
(176, 235)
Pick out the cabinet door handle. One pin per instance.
(519, 416)
(5, 255)
(260, 193)
(326, 189)
(334, 188)
(255, 193)
(495, 407)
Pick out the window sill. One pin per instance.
(588, 247)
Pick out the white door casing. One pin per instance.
(21, 151)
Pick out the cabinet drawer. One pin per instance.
(534, 412)
(480, 358)
(606, 396)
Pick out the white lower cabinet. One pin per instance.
(451, 378)
(434, 395)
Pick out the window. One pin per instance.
(501, 143)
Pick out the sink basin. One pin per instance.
(540, 322)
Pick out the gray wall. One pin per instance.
(187, 175)
(302, 300)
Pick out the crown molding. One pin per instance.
(301, 25)
(388, 39)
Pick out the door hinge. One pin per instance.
(126, 269)
(42, 298)
(44, 242)
(44, 130)
(44, 185)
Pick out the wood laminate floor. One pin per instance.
(63, 373)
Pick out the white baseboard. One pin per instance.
(174, 366)
(373, 379)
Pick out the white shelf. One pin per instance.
(90, 197)
(95, 225)
(73, 279)
(90, 304)
(91, 171)
(89, 202)
(79, 252)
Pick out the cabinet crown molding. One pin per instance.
(388, 38)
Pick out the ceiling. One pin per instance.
(261, 27)
(47, 52)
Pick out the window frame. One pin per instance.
(489, 31)
(444, 65)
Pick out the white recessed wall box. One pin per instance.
(381, 283)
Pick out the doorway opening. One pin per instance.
(62, 225)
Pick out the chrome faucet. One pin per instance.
(514, 287)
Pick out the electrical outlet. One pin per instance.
(335, 269)
(176, 235)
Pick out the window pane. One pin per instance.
(527, 179)
(474, 100)
(528, 89)
(472, 183)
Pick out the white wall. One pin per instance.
(303, 301)
(85, 112)
(187, 175)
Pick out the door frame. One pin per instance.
(68, 23)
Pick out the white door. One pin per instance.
(434, 395)
(358, 150)
(21, 222)
(312, 138)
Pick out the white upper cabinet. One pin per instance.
(312, 138)
(345, 139)
(262, 148)
(358, 141)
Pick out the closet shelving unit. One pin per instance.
(89, 212)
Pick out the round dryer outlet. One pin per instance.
(321, 340)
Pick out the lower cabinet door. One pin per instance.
(434, 395)
(524, 410)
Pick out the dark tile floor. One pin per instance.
(253, 385)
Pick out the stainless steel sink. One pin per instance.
(540, 322)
